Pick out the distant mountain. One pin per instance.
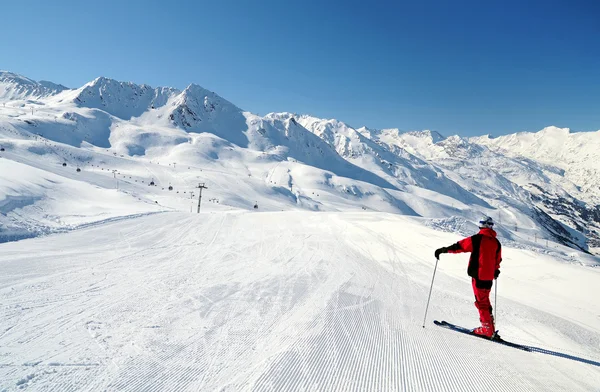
(572, 163)
(547, 179)
(576, 153)
(14, 86)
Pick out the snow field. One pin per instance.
(280, 301)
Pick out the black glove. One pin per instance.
(439, 251)
(496, 274)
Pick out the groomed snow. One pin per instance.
(282, 301)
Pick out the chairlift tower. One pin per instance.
(200, 187)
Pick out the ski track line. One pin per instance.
(328, 341)
(101, 346)
(337, 313)
(339, 354)
(264, 380)
(222, 342)
(279, 286)
(340, 311)
(286, 370)
(377, 330)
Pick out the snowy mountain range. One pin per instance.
(539, 186)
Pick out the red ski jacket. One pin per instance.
(486, 253)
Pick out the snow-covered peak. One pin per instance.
(14, 86)
(551, 145)
(431, 136)
(550, 137)
(197, 109)
(7, 76)
(347, 141)
(419, 143)
(367, 132)
(577, 153)
(554, 131)
(328, 129)
(199, 98)
(121, 99)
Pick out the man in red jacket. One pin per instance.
(484, 267)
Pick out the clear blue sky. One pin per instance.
(467, 67)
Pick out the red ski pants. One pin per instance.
(482, 302)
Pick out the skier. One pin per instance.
(484, 267)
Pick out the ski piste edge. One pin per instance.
(466, 331)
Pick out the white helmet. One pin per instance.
(486, 222)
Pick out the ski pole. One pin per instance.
(496, 302)
(430, 289)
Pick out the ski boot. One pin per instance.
(486, 330)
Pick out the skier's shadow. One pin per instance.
(563, 355)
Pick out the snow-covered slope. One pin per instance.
(34, 201)
(394, 164)
(283, 301)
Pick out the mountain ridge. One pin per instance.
(505, 172)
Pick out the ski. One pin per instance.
(496, 338)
